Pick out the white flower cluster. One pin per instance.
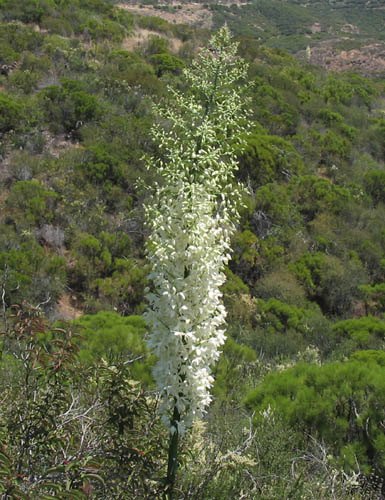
(188, 249)
(191, 220)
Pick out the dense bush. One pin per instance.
(374, 183)
(313, 194)
(334, 284)
(339, 403)
(68, 107)
(367, 332)
(166, 62)
(31, 204)
(28, 273)
(68, 430)
(11, 114)
(269, 158)
(109, 336)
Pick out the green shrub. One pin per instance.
(124, 288)
(234, 371)
(282, 284)
(68, 107)
(166, 62)
(123, 59)
(333, 283)
(7, 54)
(285, 329)
(31, 204)
(154, 23)
(72, 427)
(21, 37)
(101, 167)
(25, 80)
(11, 114)
(268, 158)
(57, 26)
(367, 332)
(330, 117)
(110, 336)
(374, 183)
(313, 194)
(339, 403)
(273, 200)
(374, 296)
(28, 11)
(32, 275)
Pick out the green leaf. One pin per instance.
(4, 459)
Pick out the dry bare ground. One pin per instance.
(65, 310)
(188, 13)
(367, 59)
(140, 37)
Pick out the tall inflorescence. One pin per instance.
(191, 218)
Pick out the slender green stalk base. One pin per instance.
(172, 456)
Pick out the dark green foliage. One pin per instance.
(156, 45)
(331, 282)
(374, 296)
(374, 183)
(60, 27)
(237, 366)
(68, 107)
(269, 158)
(101, 167)
(166, 63)
(313, 194)
(154, 23)
(103, 30)
(8, 55)
(253, 256)
(284, 330)
(123, 59)
(28, 11)
(334, 148)
(330, 117)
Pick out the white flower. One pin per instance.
(191, 221)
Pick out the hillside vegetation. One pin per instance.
(341, 35)
(300, 385)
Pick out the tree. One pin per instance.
(191, 219)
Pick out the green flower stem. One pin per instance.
(172, 455)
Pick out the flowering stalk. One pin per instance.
(191, 219)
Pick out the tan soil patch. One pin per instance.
(189, 13)
(367, 59)
(141, 36)
(56, 144)
(65, 310)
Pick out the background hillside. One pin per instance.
(344, 35)
(305, 294)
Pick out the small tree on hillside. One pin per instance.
(191, 219)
